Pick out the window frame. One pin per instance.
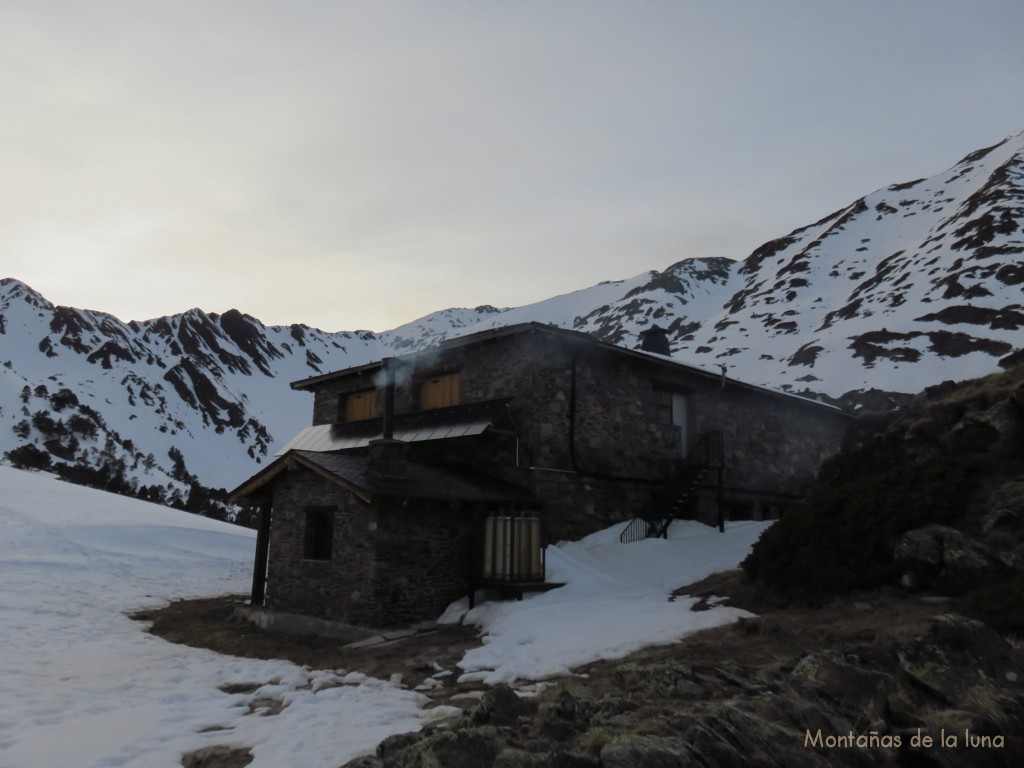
(318, 533)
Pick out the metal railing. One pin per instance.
(706, 450)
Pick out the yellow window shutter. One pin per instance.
(439, 391)
(361, 405)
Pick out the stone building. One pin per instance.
(425, 475)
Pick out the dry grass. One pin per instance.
(993, 705)
(994, 387)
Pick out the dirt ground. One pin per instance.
(210, 623)
(771, 641)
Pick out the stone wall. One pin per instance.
(336, 589)
(427, 552)
(393, 563)
(773, 444)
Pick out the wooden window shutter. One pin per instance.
(361, 405)
(439, 391)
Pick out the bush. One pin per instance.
(28, 457)
(841, 537)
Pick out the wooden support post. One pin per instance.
(259, 569)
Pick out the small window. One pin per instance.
(318, 535)
(670, 407)
(439, 391)
(360, 405)
(663, 406)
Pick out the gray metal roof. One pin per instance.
(436, 424)
(419, 481)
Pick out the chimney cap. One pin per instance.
(655, 339)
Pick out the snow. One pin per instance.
(615, 601)
(85, 685)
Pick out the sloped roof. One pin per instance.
(436, 424)
(419, 481)
(571, 337)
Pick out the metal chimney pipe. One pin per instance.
(388, 421)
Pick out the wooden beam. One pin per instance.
(259, 569)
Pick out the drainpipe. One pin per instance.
(388, 418)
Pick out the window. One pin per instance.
(318, 534)
(439, 391)
(673, 408)
(663, 406)
(670, 407)
(360, 405)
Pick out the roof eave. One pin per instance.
(290, 460)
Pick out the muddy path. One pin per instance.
(210, 623)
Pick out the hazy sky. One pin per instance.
(359, 164)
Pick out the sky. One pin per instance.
(353, 165)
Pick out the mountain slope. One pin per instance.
(908, 286)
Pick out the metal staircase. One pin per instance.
(672, 498)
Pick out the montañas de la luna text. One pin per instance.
(874, 739)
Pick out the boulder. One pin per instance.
(218, 756)
(925, 553)
(499, 706)
(957, 655)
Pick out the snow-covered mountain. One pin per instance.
(911, 285)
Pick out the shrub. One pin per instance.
(28, 457)
(841, 537)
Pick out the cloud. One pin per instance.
(355, 165)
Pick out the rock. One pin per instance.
(922, 546)
(987, 429)
(499, 706)
(219, 756)
(964, 554)
(366, 761)
(397, 742)
(647, 752)
(925, 552)
(470, 747)
(1001, 519)
(769, 731)
(957, 655)
(668, 679)
(572, 760)
(1010, 497)
(519, 758)
(844, 679)
(562, 719)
